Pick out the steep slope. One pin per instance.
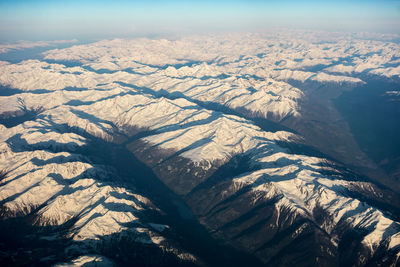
(72, 205)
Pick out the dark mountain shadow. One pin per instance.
(66, 63)
(297, 148)
(133, 173)
(337, 170)
(264, 124)
(75, 89)
(8, 91)
(18, 144)
(204, 78)
(236, 166)
(77, 102)
(24, 244)
(195, 237)
(22, 115)
(58, 159)
(3, 174)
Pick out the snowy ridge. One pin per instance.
(233, 92)
(185, 109)
(241, 74)
(298, 180)
(180, 123)
(177, 122)
(62, 187)
(310, 189)
(89, 260)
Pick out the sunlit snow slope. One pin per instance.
(111, 149)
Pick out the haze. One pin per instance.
(85, 20)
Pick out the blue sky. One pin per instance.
(89, 19)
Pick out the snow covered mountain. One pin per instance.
(200, 151)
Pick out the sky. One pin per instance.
(90, 19)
